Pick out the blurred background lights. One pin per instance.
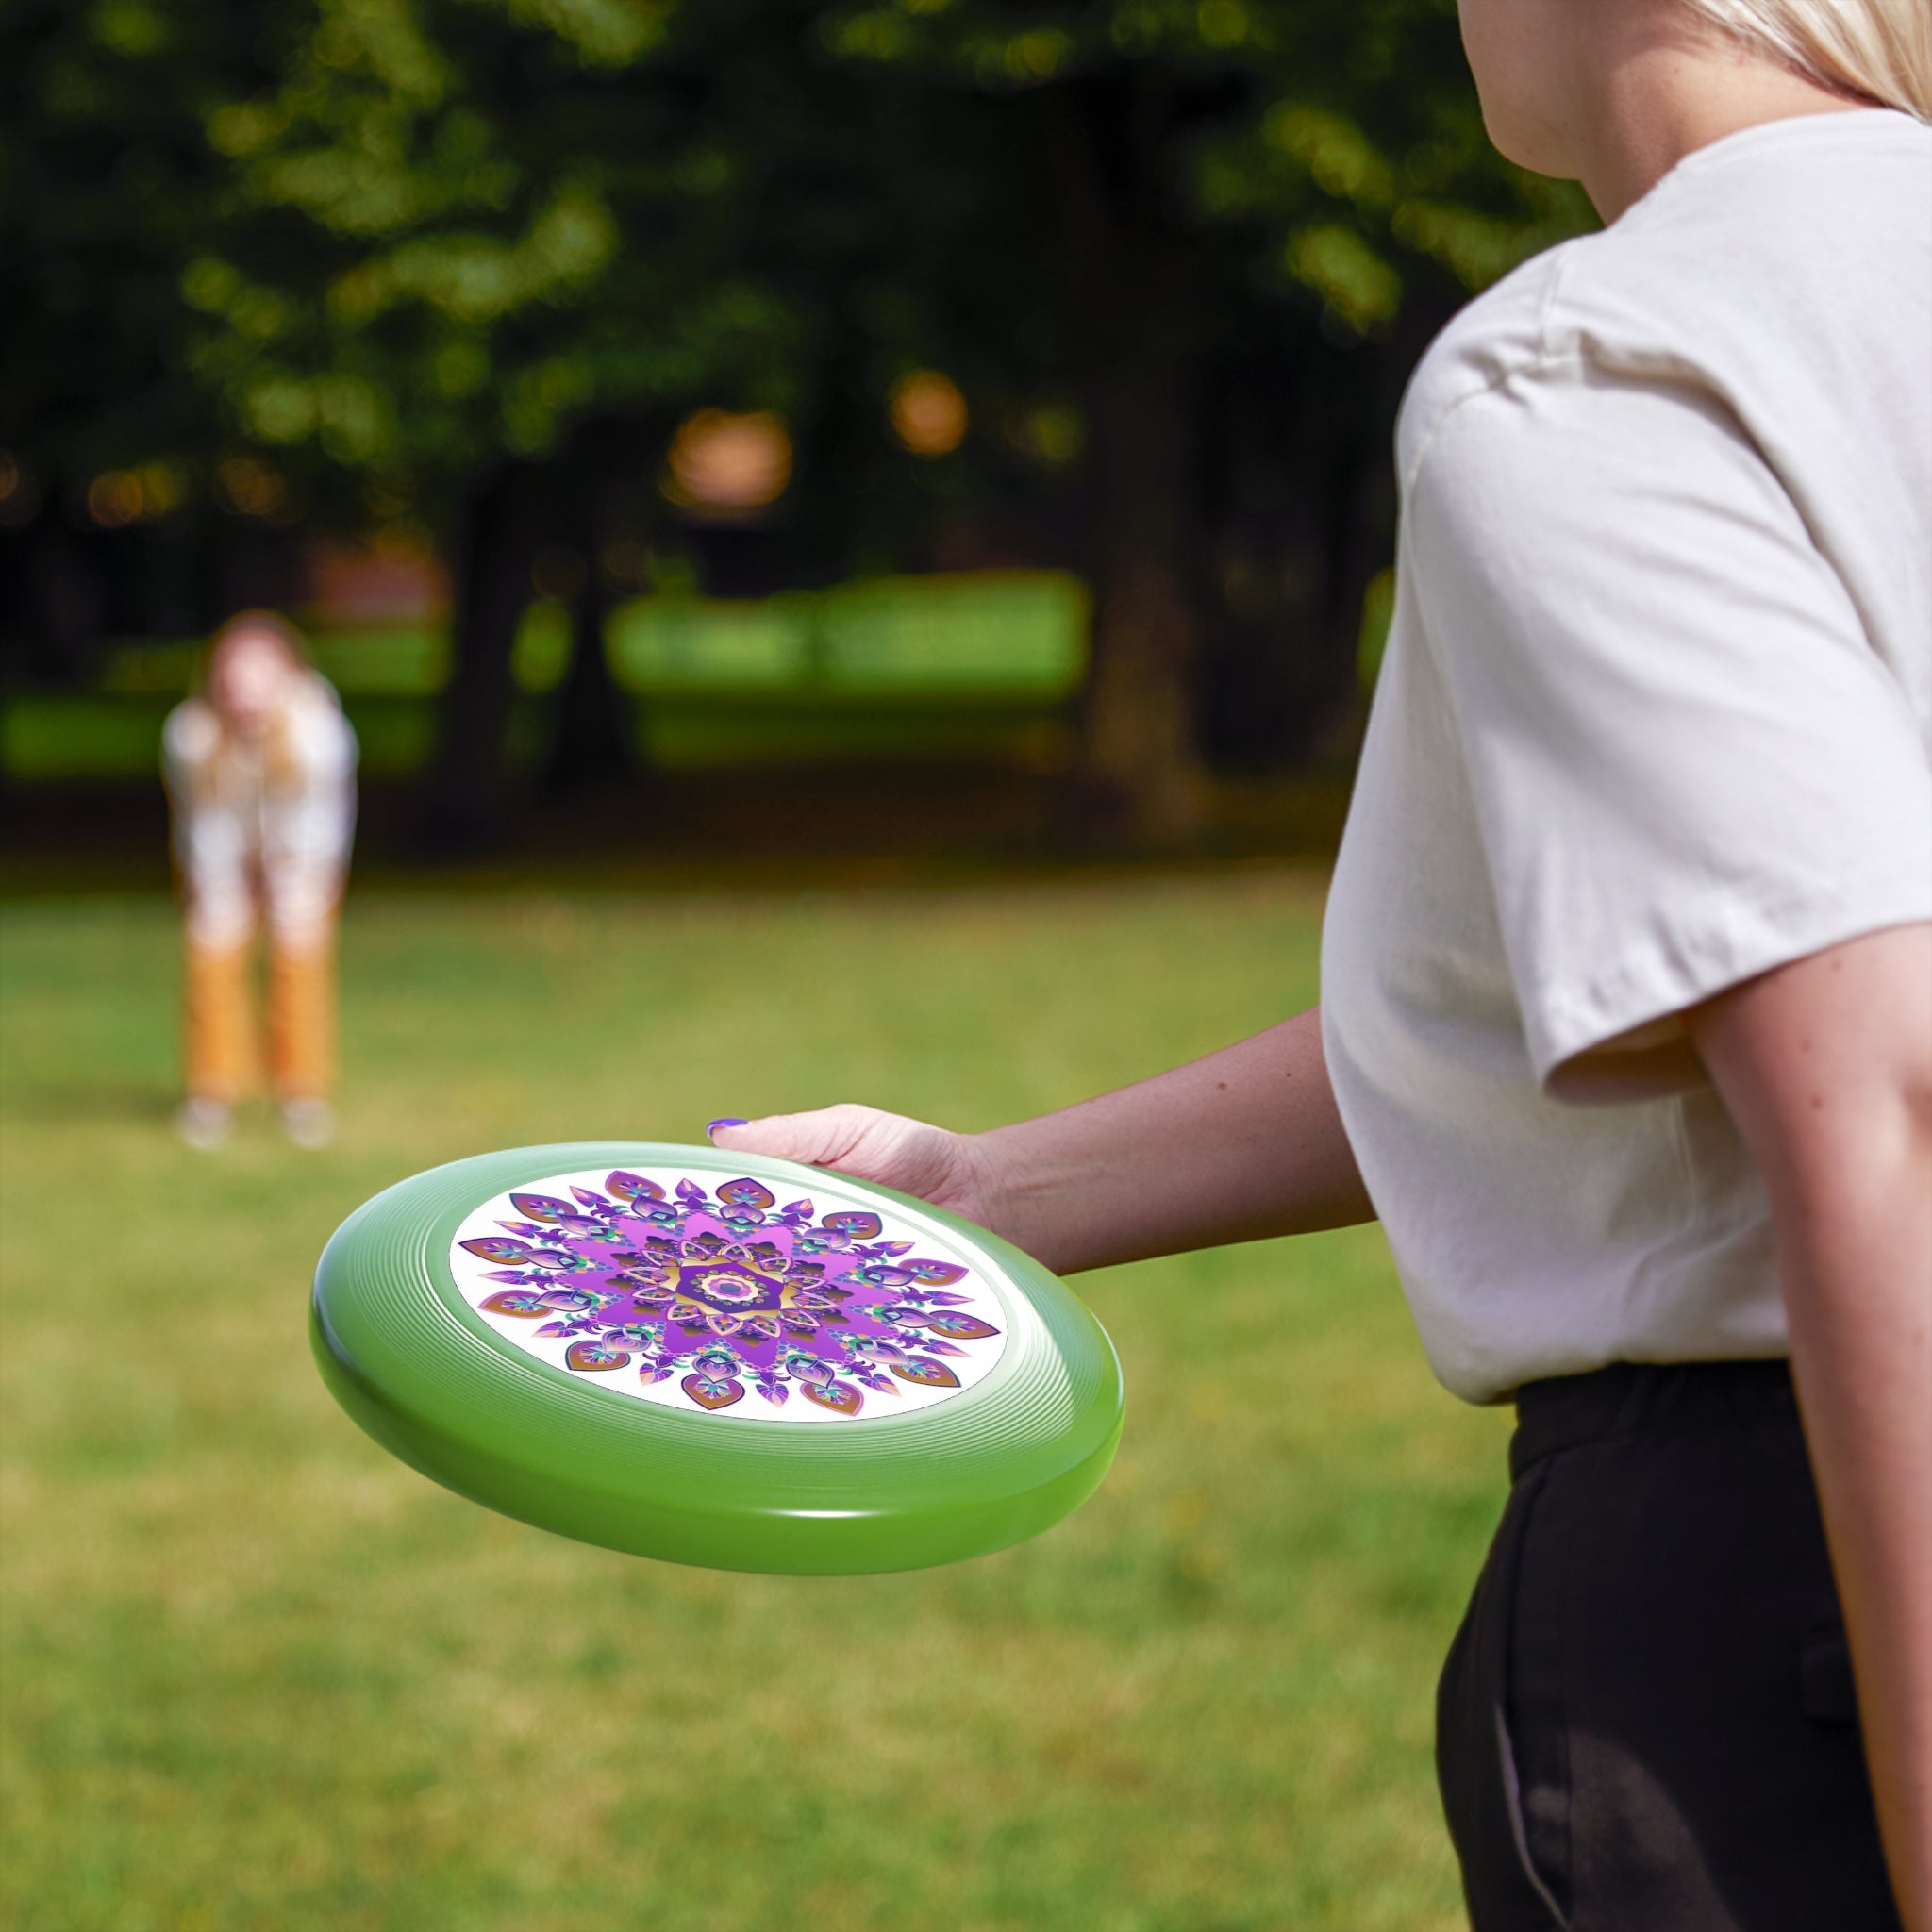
(1050, 433)
(929, 415)
(116, 498)
(113, 498)
(726, 464)
(251, 489)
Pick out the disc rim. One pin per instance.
(418, 1369)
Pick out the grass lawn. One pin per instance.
(258, 1674)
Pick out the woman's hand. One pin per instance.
(949, 1169)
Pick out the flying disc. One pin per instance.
(716, 1359)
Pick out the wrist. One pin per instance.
(990, 1195)
(1016, 1195)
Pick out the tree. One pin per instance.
(494, 241)
(1216, 201)
(470, 262)
(109, 191)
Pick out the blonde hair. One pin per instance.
(1879, 50)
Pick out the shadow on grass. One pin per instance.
(768, 830)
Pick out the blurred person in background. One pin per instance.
(260, 768)
(1627, 1021)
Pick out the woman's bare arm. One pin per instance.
(1826, 1068)
(1238, 1146)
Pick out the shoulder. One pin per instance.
(1750, 269)
(191, 735)
(1496, 338)
(320, 734)
(1606, 308)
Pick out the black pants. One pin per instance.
(1646, 1721)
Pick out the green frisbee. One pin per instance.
(716, 1359)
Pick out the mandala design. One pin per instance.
(707, 1299)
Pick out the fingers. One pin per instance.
(884, 1147)
(824, 1138)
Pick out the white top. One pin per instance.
(1655, 716)
(271, 819)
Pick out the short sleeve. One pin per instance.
(324, 740)
(1688, 764)
(187, 742)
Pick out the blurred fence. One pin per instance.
(895, 668)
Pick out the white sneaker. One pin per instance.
(203, 1123)
(309, 1121)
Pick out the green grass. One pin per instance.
(258, 1674)
(983, 665)
(69, 735)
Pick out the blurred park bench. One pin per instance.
(979, 666)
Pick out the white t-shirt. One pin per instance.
(249, 825)
(1655, 716)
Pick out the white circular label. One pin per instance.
(709, 1295)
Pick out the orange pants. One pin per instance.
(222, 1048)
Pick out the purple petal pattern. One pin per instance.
(707, 1296)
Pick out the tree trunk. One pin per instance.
(1133, 304)
(62, 602)
(591, 743)
(466, 803)
(1139, 739)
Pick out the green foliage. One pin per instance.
(257, 1674)
(499, 239)
(396, 239)
(1347, 133)
(107, 189)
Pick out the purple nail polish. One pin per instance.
(716, 1124)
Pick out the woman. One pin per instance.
(1627, 1019)
(260, 769)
